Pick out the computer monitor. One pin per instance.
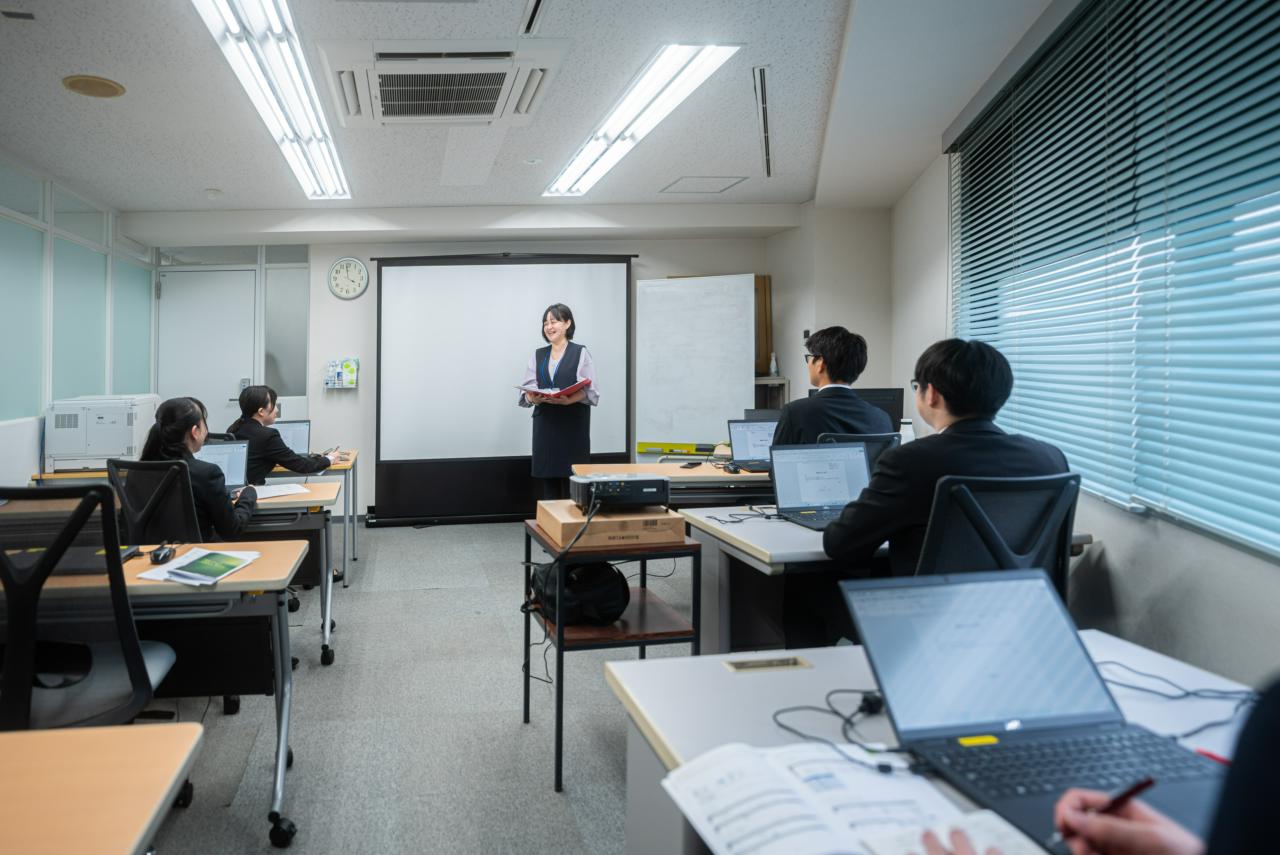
(231, 457)
(296, 434)
(819, 476)
(762, 415)
(749, 441)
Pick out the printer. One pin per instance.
(84, 432)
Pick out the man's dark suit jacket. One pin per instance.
(218, 518)
(832, 409)
(895, 506)
(267, 450)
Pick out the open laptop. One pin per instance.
(231, 457)
(749, 443)
(296, 434)
(986, 680)
(813, 483)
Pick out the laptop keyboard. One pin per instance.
(813, 519)
(1105, 761)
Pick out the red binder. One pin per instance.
(563, 393)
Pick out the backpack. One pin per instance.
(595, 593)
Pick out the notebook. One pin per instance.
(813, 483)
(987, 681)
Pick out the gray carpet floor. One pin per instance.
(412, 740)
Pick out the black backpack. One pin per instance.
(595, 593)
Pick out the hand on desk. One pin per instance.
(960, 845)
(1135, 829)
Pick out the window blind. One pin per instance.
(1115, 231)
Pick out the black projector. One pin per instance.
(619, 490)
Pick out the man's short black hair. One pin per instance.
(972, 376)
(844, 353)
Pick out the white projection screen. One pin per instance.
(456, 335)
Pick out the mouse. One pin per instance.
(732, 468)
(161, 554)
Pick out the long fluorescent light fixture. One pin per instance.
(665, 82)
(259, 40)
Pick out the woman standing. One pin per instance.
(561, 426)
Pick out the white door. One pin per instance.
(206, 338)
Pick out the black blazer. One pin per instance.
(267, 450)
(832, 409)
(218, 518)
(895, 506)
(1245, 819)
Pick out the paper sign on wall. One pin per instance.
(342, 373)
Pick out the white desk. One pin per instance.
(680, 708)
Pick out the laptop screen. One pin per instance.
(230, 457)
(750, 440)
(296, 435)
(819, 476)
(976, 653)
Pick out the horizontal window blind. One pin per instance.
(1115, 222)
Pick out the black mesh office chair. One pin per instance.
(155, 496)
(71, 654)
(877, 443)
(1001, 524)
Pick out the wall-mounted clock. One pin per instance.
(348, 278)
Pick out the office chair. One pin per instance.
(1001, 524)
(71, 654)
(877, 443)
(155, 496)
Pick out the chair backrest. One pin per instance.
(71, 654)
(1001, 524)
(877, 443)
(155, 496)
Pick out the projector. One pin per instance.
(619, 490)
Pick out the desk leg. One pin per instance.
(653, 823)
(355, 507)
(560, 571)
(697, 602)
(326, 594)
(714, 599)
(348, 525)
(527, 618)
(644, 583)
(282, 830)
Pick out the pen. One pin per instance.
(1117, 801)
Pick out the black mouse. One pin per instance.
(732, 468)
(161, 554)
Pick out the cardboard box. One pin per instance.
(562, 520)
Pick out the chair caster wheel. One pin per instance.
(282, 832)
(288, 760)
(185, 795)
(326, 656)
(230, 704)
(333, 624)
(339, 577)
(294, 604)
(307, 587)
(294, 662)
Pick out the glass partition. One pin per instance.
(79, 320)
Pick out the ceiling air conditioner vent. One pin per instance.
(449, 83)
(437, 95)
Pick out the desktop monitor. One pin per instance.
(889, 400)
(762, 415)
(296, 434)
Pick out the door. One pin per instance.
(205, 343)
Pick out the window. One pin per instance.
(22, 322)
(131, 303)
(1116, 233)
(288, 293)
(79, 320)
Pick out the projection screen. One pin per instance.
(456, 339)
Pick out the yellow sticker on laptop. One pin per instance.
(971, 741)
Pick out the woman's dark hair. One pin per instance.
(843, 353)
(972, 376)
(560, 312)
(175, 418)
(252, 399)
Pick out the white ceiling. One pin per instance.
(185, 125)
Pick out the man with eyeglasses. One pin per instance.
(836, 358)
(959, 387)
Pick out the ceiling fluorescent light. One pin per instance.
(261, 44)
(668, 79)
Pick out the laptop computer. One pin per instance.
(231, 457)
(296, 434)
(985, 679)
(813, 483)
(749, 443)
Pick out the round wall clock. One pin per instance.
(348, 278)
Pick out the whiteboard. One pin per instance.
(695, 356)
(455, 339)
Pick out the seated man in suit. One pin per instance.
(959, 387)
(836, 358)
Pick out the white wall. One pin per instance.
(339, 328)
(20, 439)
(832, 270)
(919, 298)
(1152, 581)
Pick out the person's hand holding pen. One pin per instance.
(1095, 823)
